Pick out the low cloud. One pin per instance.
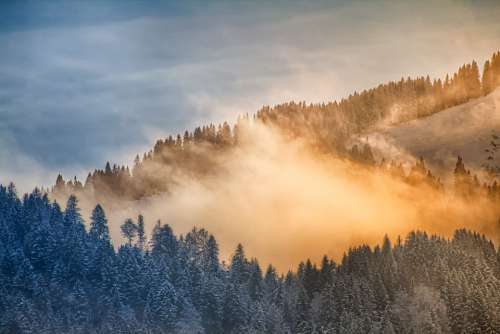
(286, 203)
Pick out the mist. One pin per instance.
(286, 202)
(464, 130)
(138, 87)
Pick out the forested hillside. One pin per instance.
(59, 274)
(326, 127)
(466, 130)
(56, 276)
(250, 167)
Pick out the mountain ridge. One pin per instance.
(327, 127)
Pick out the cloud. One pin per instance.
(463, 130)
(284, 203)
(100, 84)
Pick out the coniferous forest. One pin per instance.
(57, 276)
(326, 127)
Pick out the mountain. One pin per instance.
(466, 130)
(284, 171)
(326, 127)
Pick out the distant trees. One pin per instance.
(129, 231)
(491, 74)
(465, 184)
(462, 178)
(57, 277)
(99, 225)
(141, 234)
(325, 126)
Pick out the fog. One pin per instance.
(83, 82)
(464, 130)
(285, 202)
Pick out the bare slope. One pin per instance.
(462, 130)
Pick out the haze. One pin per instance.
(86, 82)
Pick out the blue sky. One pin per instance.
(82, 82)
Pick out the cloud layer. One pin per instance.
(284, 203)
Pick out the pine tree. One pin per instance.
(255, 284)
(72, 217)
(487, 82)
(239, 266)
(99, 230)
(75, 252)
(235, 309)
(141, 234)
(129, 230)
(161, 309)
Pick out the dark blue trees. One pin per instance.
(57, 277)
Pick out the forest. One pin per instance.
(63, 273)
(57, 276)
(249, 167)
(325, 127)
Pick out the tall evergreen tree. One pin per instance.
(141, 234)
(129, 230)
(99, 230)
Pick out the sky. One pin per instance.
(84, 82)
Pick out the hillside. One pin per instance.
(250, 167)
(325, 127)
(464, 130)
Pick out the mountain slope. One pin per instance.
(464, 130)
(325, 127)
